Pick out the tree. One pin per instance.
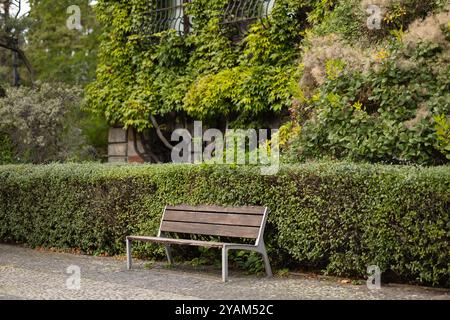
(41, 124)
(12, 28)
(61, 53)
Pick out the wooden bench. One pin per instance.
(234, 222)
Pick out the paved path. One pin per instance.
(32, 274)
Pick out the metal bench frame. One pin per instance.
(259, 245)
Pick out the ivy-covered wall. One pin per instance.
(205, 74)
(342, 89)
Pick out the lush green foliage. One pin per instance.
(443, 134)
(349, 17)
(385, 115)
(387, 103)
(203, 74)
(373, 96)
(336, 217)
(46, 124)
(57, 53)
(6, 151)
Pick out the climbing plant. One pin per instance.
(350, 91)
(207, 74)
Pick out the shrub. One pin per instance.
(325, 54)
(334, 217)
(6, 153)
(348, 18)
(46, 124)
(384, 108)
(374, 95)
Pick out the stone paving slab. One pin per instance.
(32, 274)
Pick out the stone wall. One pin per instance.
(121, 146)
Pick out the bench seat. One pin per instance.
(188, 242)
(231, 222)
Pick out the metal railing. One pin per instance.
(237, 11)
(164, 15)
(171, 14)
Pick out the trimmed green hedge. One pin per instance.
(335, 217)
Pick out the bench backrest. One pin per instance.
(238, 222)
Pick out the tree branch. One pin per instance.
(159, 133)
(7, 43)
(147, 153)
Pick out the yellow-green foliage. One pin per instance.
(443, 134)
(203, 74)
(367, 95)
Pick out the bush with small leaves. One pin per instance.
(335, 217)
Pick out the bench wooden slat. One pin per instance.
(210, 229)
(238, 210)
(189, 242)
(236, 222)
(252, 220)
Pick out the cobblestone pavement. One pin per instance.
(32, 274)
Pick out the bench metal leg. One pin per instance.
(266, 262)
(224, 264)
(128, 241)
(169, 254)
(260, 249)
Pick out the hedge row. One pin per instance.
(334, 217)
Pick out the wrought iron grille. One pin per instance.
(238, 11)
(240, 14)
(171, 14)
(164, 15)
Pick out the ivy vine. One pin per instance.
(204, 75)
